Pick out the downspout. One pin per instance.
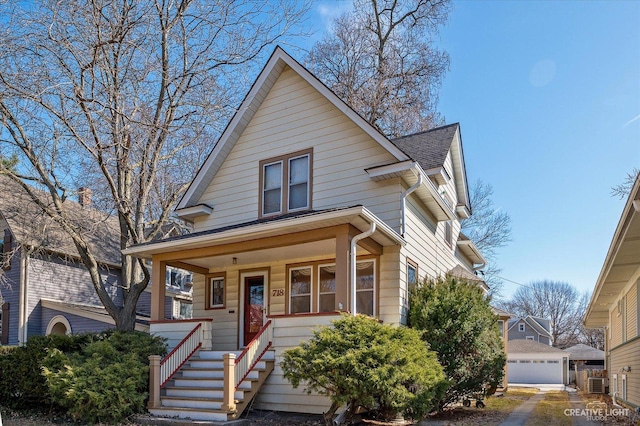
(352, 260)
(404, 196)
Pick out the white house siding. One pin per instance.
(293, 117)
(623, 356)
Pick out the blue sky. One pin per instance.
(548, 97)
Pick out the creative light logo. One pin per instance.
(597, 411)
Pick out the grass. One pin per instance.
(551, 410)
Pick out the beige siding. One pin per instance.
(277, 393)
(632, 312)
(294, 116)
(626, 356)
(616, 328)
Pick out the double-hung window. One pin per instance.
(312, 287)
(285, 183)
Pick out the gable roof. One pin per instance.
(518, 346)
(538, 324)
(430, 149)
(276, 64)
(30, 226)
(585, 353)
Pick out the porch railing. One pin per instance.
(175, 359)
(237, 369)
(161, 371)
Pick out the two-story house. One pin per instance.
(45, 288)
(301, 212)
(530, 328)
(615, 305)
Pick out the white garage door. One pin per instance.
(535, 371)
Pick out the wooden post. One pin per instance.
(228, 387)
(343, 241)
(158, 289)
(154, 381)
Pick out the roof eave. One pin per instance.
(358, 215)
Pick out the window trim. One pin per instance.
(318, 267)
(209, 294)
(448, 233)
(311, 288)
(284, 187)
(315, 266)
(414, 265)
(521, 327)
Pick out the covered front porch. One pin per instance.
(272, 282)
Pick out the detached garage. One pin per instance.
(531, 362)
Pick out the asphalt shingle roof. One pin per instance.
(31, 226)
(517, 346)
(428, 148)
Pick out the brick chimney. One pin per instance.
(84, 197)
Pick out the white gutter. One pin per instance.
(352, 253)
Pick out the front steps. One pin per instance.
(195, 391)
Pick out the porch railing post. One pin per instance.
(154, 381)
(229, 386)
(207, 340)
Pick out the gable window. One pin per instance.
(501, 327)
(521, 327)
(300, 290)
(216, 291)
(285, 183)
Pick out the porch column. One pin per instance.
(158, 289)
(343, 242)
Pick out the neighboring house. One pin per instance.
(583, 357)
(45, 288)
(531, 362)
(301, 212)
(531, 328)
(614, 304)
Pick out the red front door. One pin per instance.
(253, 307)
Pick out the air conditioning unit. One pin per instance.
(597, 384)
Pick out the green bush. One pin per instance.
(94, 376)
(107, 380)
(25, 363)
(361, 362)
(455, 318)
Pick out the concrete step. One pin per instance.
(190, 413)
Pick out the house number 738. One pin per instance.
(277, 292)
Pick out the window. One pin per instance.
(521, 327)
(624, 387)
(327, 286)
(501, 327)
(448, 233)
(216, 292)
(5, 250)
(530, 338)
(312, 287)
(285, 183)
(412, 272)
(365, 288)
(300, 290)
